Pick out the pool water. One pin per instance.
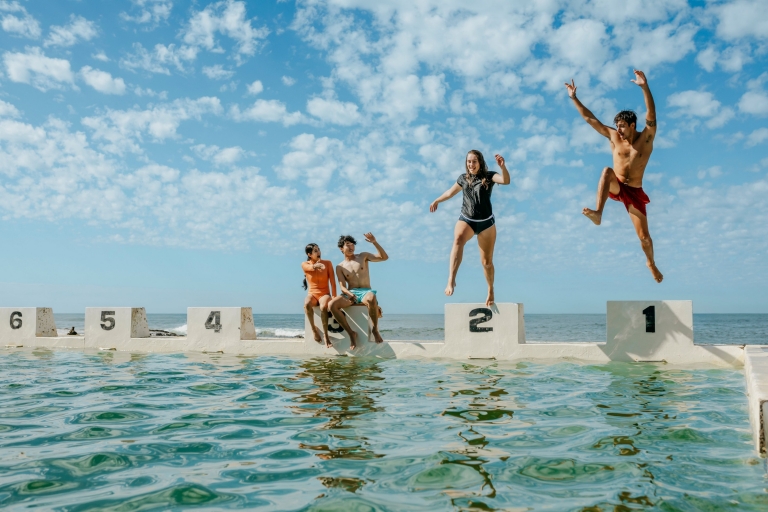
(114, 431)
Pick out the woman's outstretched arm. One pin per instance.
(455, 189)
(503, 178)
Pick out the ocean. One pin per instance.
(736, 329)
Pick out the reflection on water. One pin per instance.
(107, 431)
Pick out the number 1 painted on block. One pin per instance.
(650, 318)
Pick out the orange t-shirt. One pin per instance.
(318, 279)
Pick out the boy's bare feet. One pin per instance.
(328, 343)
(318, 337)
(377, 336)
(449, 288)
(593, 215)
(657, 275)
(489, 300)
(352, 340)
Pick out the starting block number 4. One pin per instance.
(212, 328)
(19, 324)
(108, 327)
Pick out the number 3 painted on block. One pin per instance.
(473, 324)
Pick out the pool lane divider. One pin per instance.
(637, 331)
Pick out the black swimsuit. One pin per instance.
(476, 208)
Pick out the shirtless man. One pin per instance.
(631, 151)
(355, 282)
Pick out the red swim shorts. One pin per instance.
(634, 196)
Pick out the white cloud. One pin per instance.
(713, 172)
(24, 25)
(227, 17)
(217, 72)
(8, 110)
(102, 81)
(741, 19)
(267, 111)
(36, 69)
(160, 58)
(334, 111)
(288, 81)
(700, 104)
(757, 137)
(217, 155)
(150, 11)
(754, 102)
(314, 160)
(78, 28)
(101, 56)
(123, 130)
(255, 88)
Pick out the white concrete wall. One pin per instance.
(756, 373)
(23, 325)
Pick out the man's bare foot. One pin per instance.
(449, 288)
(328, 343)
(318, 337)
(593, 215)
(655, 272)
(352, 340)
(377, 336)
(489, 300)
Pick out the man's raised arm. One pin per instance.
(381, 254)
(587, 114)
(650, 117)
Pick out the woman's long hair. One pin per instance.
(308, 249)
(482, 173)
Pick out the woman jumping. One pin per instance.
(476, 215)
(318, 272)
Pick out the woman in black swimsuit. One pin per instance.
(476, 215)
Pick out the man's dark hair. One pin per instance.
(346, 238)
(625, 115)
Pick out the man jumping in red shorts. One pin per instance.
(631, 151)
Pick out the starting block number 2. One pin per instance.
(475, 322)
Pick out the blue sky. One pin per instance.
(167, 154)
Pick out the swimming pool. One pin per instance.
(109, 430)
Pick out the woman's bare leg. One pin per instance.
(309, 303)
(462, 233)
(324, 300)
(486, 241)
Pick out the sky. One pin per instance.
(169, 154)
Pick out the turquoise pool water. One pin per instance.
(112, 431)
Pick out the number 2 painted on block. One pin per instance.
(473, 324)
(650, 318)
(214, 321)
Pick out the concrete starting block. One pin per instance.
(357, 316)
(110, 328)
(476, 331)
(20, 326)
(214, 329)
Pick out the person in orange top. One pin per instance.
(318, 273)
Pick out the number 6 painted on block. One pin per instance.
(16, 320)
(473, 324)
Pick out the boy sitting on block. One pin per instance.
(355, 282)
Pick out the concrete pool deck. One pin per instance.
(637, 331)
